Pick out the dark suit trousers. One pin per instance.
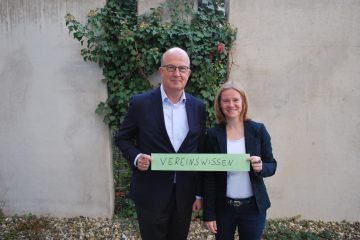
(170, 224)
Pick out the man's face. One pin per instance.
(175, 71)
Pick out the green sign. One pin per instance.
(200, 162)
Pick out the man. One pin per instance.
(164, 120)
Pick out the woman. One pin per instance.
(237, 199)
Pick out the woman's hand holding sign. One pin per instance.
(256, 163)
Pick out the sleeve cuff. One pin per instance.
(136, 159)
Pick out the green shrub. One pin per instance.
(296, 229)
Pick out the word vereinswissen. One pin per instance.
(200, 162)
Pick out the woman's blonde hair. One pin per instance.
(220, 117)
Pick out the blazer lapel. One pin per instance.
(250, 139)
(222, 139)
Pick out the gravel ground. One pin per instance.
(31, 227)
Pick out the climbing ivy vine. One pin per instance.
(128, 48)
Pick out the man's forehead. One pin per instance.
(176, 55)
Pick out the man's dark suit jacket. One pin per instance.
(257, 143)
(143, 131)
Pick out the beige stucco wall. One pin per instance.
(55, 155)
(145, 6)
(300, 63)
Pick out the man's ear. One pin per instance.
(161, 71)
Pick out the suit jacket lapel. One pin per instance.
(190, 114)
(190, 118)
(159, 114)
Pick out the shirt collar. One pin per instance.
(165, 98)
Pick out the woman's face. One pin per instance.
(231, 103)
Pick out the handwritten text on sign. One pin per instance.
(200, 162)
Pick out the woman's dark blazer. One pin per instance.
(257, 143)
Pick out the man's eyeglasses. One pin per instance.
(172, 68)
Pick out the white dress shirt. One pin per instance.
(175, 117)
